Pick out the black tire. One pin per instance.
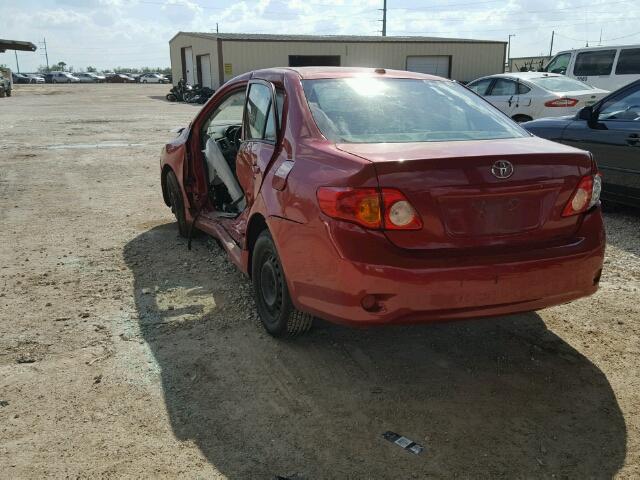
(521, 118)
(171, 97)
(2, 93)
(177, 204)
(8, 93)
(277, 313)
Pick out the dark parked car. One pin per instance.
(610, 130)
(120, 78)
(21, 78)
(368, 196)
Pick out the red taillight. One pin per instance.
(562, 102)
(359, 205)
(586, 195)
(363, 206)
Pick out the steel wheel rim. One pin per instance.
(271, 285)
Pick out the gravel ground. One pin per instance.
(122, 354)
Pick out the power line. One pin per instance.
(536, 27)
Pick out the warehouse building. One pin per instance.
(211, 59)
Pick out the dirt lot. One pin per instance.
(122, 354)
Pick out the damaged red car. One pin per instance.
(371, 196)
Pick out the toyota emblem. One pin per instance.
(502, 169)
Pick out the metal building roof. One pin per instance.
(16, 45)
(267, 37)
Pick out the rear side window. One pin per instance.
(628, 61)
(522, 89)
(598, 62)
(504, 87)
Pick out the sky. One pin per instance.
(135, 33)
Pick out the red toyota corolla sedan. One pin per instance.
(367, 196)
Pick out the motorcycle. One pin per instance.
(198, 94)
(177, 93)
(184, 92)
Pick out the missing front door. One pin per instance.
(314, 60)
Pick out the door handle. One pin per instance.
(633, 140)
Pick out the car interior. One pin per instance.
(220, 142)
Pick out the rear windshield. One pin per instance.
(560, 84)
(374, 110)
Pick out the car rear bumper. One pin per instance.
(331, 279)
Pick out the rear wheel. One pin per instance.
(277, 313)
(177, 204)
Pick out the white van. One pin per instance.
(604, 67)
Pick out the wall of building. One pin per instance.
(200, 46)
(468, 60)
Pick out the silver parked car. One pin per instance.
(90, 77)
(525, 96)
(63, 77)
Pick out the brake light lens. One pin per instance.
(386, 209)
(359, 205)
(562, 102)
(586, 195)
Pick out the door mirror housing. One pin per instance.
(587, 114)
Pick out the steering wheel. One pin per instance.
(233, 134)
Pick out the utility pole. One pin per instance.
(553, 34)
(509, 49)
(17, 64)
(46, 53)
(217, 31)
(384, 18)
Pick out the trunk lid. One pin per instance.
(463, 205)
(585, 98)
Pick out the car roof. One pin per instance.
(588, 49)
(347, 72)
(524, 75)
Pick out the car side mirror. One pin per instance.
(587, 114)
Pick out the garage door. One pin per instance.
(431, 64)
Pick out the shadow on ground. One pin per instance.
(492, 398)
(163, 98)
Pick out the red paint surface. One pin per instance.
(487, 246)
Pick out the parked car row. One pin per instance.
(27, 78)
(88, 77)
